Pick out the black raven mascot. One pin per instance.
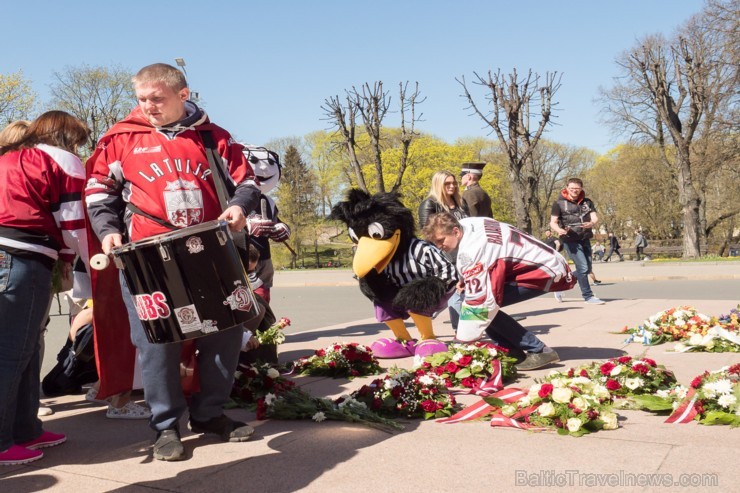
(402, 275)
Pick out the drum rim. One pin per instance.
(173, 235)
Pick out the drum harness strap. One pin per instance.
(216, 172)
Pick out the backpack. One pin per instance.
(75, 365)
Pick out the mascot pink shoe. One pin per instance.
(429, 347)
(386, 348)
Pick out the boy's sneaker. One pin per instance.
(16, 455)
(228, 429)
(594, 301)
(537, 360)
(47, 439)
(597, 282)
(558, 297)
(168, 446)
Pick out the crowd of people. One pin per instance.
(145, 178)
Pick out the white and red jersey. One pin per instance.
(41, 207)
(163, 172)
(491, 255)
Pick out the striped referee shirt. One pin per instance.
(421, 260)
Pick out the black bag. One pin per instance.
(75, 365)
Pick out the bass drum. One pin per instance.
(188, 283)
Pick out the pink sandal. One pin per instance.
(429, 347)
(386, 348)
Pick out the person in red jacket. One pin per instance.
(41, 220)
(149, 175)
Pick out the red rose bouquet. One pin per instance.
(625, 376)
(712, 398)
(673, 324)
(340, 360)
(469, 365)
(573, 406)
(274, 334)
(408, 394)
(254, 382)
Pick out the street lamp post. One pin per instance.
(194, 96)
(181, 63)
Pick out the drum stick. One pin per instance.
(263, 206)
(99, 261)
(289, 248)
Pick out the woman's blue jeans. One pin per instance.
(25, 297)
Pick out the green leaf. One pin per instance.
(720, 418)
(494, 401)
(464, 373)
(652, 403)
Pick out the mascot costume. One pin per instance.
(402, 275)
(264, 224)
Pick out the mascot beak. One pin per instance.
(374, 254)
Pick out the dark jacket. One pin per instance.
(429, 207)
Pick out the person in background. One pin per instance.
(598, 251)
(41, 220)
(474, 198)
(613, 248)
(444, 196)
(573, 217)
(640, 244)
(501, 266)
(138, 163)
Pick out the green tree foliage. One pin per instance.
(17, 99)
(327, 163)
(297, 199)
(676, 92)
(99, 96)
(632, 189)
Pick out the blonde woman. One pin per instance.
(13, 133)
(444, 196)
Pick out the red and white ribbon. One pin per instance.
(494, 383)
(482, 409)
(686, 411)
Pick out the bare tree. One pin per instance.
(552, 164)
(99, 96)
(512, 99)
(672, 88)
(371, 105)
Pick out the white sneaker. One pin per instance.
(594, 301)
(558, 297)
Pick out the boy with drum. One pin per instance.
(148, 176)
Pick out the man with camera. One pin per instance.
(573, 218)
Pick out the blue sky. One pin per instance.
(264, 68)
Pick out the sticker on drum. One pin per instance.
(240, 299)
(194, 244)
(189, 321)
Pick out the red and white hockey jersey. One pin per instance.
(166, 175)
(491, 255)
(41, 207)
